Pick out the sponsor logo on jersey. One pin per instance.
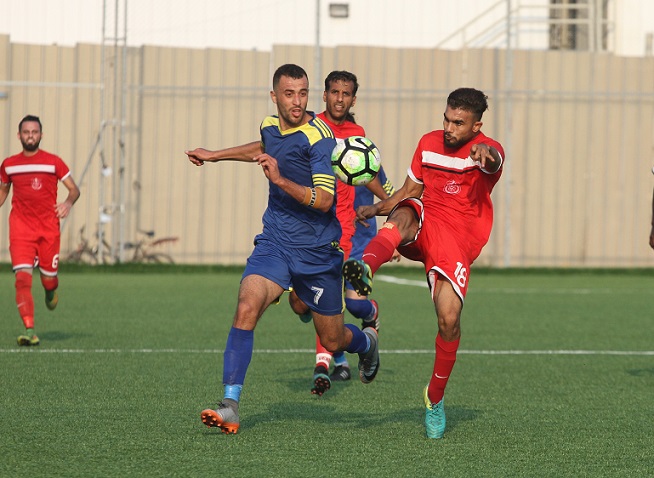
(451, 187)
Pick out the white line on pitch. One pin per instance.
(307, 351)
(511, 290)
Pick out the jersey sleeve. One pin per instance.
(415, 169)
(321, 165)
(61, 169)
(4, 178)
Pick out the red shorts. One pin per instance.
(439, 249)
(30, 250)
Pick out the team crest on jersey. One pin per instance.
(36, 184)
(451, 187)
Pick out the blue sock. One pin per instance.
(237, 356)
(360, 341)
(340, 359)
(233, 392)
(360, 308)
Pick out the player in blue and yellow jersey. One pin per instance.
(298, 247)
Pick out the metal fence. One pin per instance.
(577, 128)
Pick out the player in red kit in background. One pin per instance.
(339, 96)
(442, 216)
(34, 234)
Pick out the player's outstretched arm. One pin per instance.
(245, 152)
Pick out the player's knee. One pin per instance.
(449, 326)
(23, 280)
(332, 346)
(247, 315)
(331, 342)
(406, 221)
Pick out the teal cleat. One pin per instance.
(434, 417)
(306, 317)
(321, 381)
(358, 273)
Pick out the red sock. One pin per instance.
(381, 247)
(49, 282)
(443, 365)
(323, 356)
(24, 299)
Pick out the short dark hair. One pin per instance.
(30, 118)
(468, 99)
(292, 71)
(342, 75)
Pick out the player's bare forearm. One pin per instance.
(245, 152)
(4, 192)
(63, 209)
(410, 188)
(322, 200)
(375, 187)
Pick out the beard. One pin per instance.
(30, 147)
(451, 142)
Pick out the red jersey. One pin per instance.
(345, 193)
(456, 191)
(35, 179)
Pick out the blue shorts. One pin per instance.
(314, 274)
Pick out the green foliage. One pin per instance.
(554, 378)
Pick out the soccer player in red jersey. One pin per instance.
(34, 219)
(339, 96)
(442, 216)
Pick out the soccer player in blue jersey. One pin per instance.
(298, 247)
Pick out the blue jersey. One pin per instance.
(364, 197)
(304, 157)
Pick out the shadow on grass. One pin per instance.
(60, 336)
(326, 415)
(641, 372)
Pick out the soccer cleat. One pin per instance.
(306, 317)
(341, 373)
(358, 273)
(369, 361)
(434, 417)
(321, 381)
(224, 417)
(51, 299)
(374, 322)
(27, 340)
